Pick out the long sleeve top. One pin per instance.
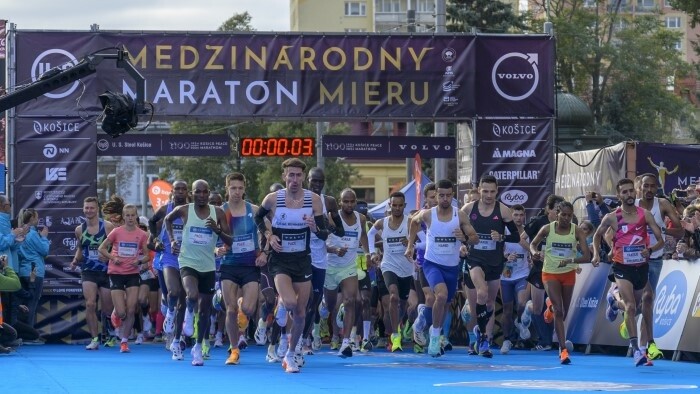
(32, 251)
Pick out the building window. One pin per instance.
(355, 30)
(425, 6)
(365, 193)
(673, 22)
(387, 6)
(678, 45)
(589, 3)
(355, 8)
(646, 3)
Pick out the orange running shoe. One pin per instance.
(124, 348)
(549, 312)
(564, 357)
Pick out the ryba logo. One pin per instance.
(52, 58)
(670, 299)
(515, 75)
(513, 197)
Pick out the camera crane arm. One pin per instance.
(56, 78)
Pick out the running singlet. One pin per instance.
(289, 224)
(557, 248)
(167, 258)
(198, 242)
(442, 246)
(245, 238)
(658, 218)
(514, 270)
(393, 259)
(350, 241)
(630, 239)
(487, 251)
(318, 246)
(89, 244)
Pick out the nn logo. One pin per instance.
(671, 296)
(56, 174)
(50, 151)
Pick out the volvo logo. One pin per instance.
(45, 62)
(515, 75)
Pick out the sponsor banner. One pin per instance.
(388, 147)
(164, 145)
(587, 298)
(673, 301)
(676, 166)
(514, 77)
(590, 170)
(519, 154)
(61, 318)
(205, 75)
(3, 64)
(159, 193)
(3, 40)
(53, 129)
(689, 338)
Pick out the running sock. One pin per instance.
(482, 317)
(435, 331)
(353, 332)
(366, 328)
(428, 315)
(634, 341)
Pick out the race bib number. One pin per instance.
(445, 245)
(561, 250)
(349, 239)
(146, 275)
(507, 271)
(201, 235)
(394, 245)
(93, 254)
(293, 243)
(242, 243)
(632, 254)
(177, 232)
(127, 249)
(485, 243)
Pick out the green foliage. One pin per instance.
(487, 16)
(238, 22)
(690, 7)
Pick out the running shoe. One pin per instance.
(419, 323)
(261, 333)
(649, 363)
(158, 338)
(407, 332)
(188, 324)
(124, 347)
(445, 343)
(623, 329)
(381, 342)
(396, 343)
(289, 364)
(147, 325)
(116, 320)
(219, 340)
(523, 330)
(639, 358)
(271, 356)
(177, 351)
(139, 339)
(205, 349)
(316, 343)
(419, 337)
(472, 349)
(483, 346)
(507, 345)
(540, 348)
(611, 310)
(340, 316)
(548, 312)
(197, 358)
(242, 318)
(233, 357)
(434, 346)
(299, 359)
(335, 343)
(653, 352)
(323, 329)
(564, 357)
(345, 350)
(366, 346)
(281, 315)
(94, 344)
(569, 345)
(283, 346)
(526, 317)
(169, 322)
(242, 343)
(111, 342)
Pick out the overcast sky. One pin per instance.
(173, 15)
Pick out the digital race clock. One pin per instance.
(277, 147)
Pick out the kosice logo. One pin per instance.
(515, 75)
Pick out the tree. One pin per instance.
(620, 64)
(690, 7)
(238, 22)
(488, 16)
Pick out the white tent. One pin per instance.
(409, 190)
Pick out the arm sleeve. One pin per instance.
(259, 219)
(593, 215)
(39, 244)
(334, 228)
(514, 235)
(371, 239)
(321, 231)
(6, 240)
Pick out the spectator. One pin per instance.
(31, 255)
(10, 239)
(9, 281)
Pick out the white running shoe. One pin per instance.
(316, 344)
(169, 322)
(242, 343)
(271, 356)
(177, 352)
(523, 331)
(289, 364)
(419, 336)
(507, 345)
(261, 333)
(93, 345)
(139, 339)
(147, 325)
(219, 340)
(345, 350)
(281, 315)
(283, 345)
(188, 324)
(197, 358)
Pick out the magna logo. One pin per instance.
(513, 197)
(52, 58)
(671, 296)
(515, 75)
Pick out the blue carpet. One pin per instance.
(148, 369)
